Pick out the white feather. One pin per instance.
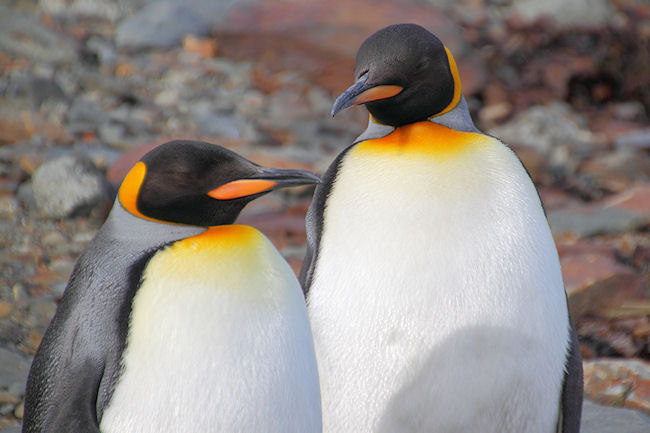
(437, 302)
(219, 341)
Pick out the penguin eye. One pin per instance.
(421, 65)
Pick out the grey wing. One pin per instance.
(78, 362)
(64, 379)
(314, 221)
(572, 388)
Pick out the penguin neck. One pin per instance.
(123, 226)
(457, 118)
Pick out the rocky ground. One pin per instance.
(87, 86)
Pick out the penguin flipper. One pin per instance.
(314, 221)
(77, 410)
(77, 364)
(63, 385)
(572, 388)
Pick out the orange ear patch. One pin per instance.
(241, 188)
(457, 88)
(378, 92)
(130, 188)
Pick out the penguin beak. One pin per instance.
(361, 92)
(268, 179)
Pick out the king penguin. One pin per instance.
(433, 283)
(176, 320)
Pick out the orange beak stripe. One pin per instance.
(241, 188)
(378, 92)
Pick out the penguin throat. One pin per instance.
(421, 139)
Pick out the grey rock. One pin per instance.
(17, 429)
(25, 36)
(547, 129)
(69, 185)
(25, 194)
(163, 24)
(58, 289)
(566, 13)
(634, 140)
(160, 24)
(13, 368)
(6, 409)
(122, 121)
(287, 107)
(103, 49)
(623, 164)
(112, 132)
(629, 110)
(101, 156)
(17, 389)
(251, 104)
(94, 9)
(605, 419)
(211, 123)
(605, 220)
(35, 89)
(40, 313)
(85, 115)
(8, 207)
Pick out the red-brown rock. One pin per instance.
(618, 383)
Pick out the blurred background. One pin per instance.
(88, 86)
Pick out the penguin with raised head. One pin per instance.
(176, 320)
(433, 283)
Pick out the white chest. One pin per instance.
(437, 302)
(217, 343)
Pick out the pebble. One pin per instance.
(5, 309)
(8, 207)
(618, 382)
(69, 185)
(160, 24)
(585, 268)
(618, 170)
(8, 398)
(85, 115)
(13, 368)
(112, 133)
(634, 140)
(593, 220)
(547, 129)
(214, 124)
(40, 312)
(604, 419)
(35, 89)
(575, 12)
(23, 36)
(6, 409)
(103, 50)
(52, 238)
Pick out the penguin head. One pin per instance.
(201, 184)
(404, 74)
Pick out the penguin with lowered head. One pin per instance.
(175, 319)
(433, 283)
